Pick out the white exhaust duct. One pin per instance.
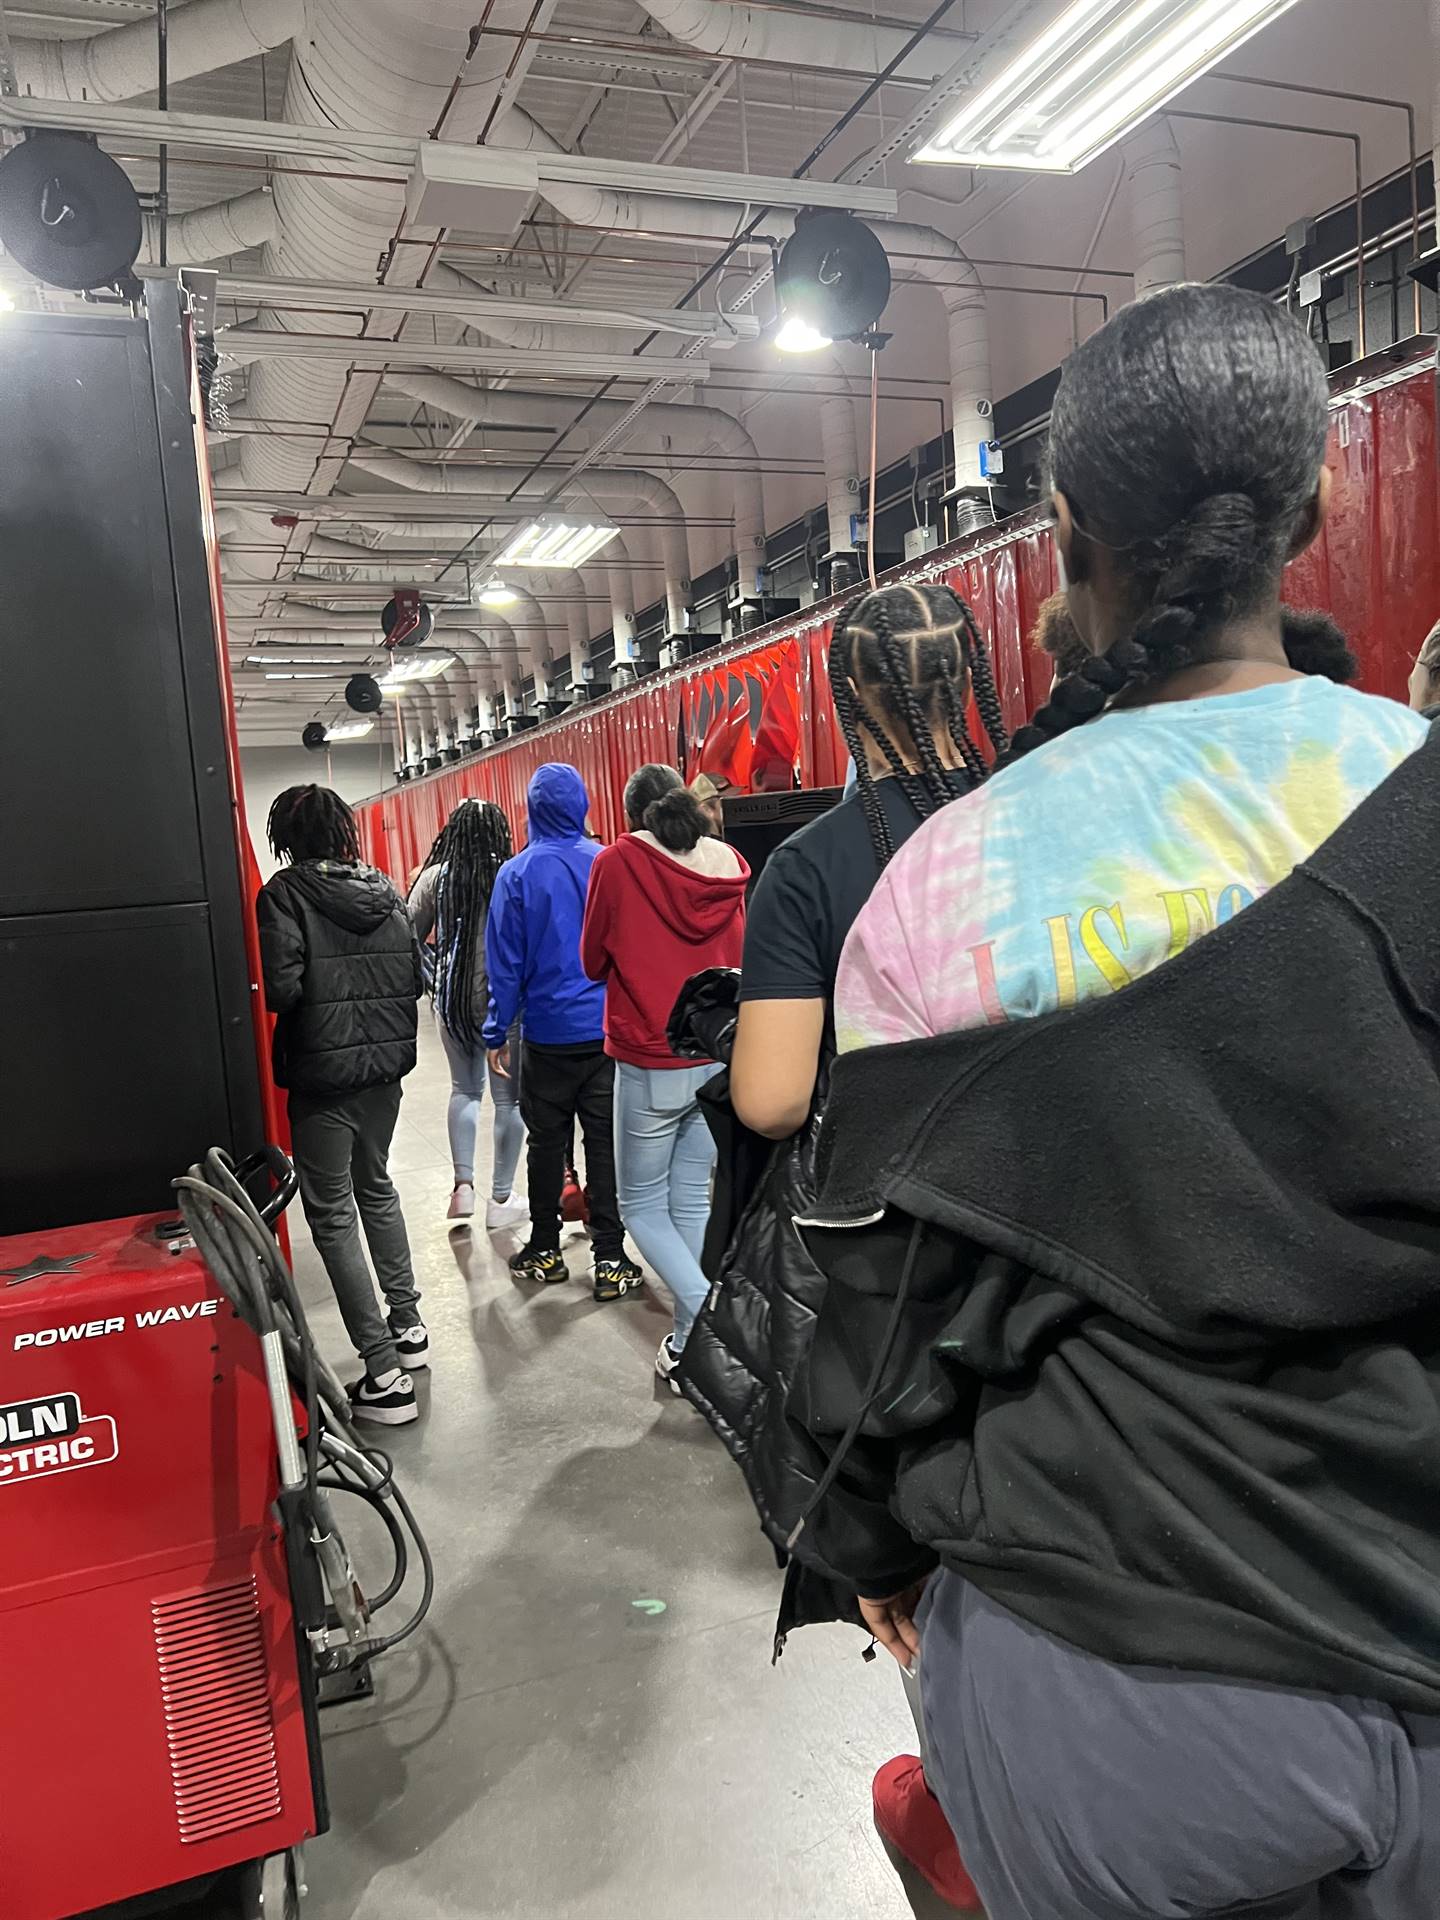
(1152, 166)
(842, 470)
(613, 487)
(732, 31)
(692, 431)
(121, 64)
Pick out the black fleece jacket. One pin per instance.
(342, 976)
(1139, 1310)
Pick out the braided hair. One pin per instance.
(1187, 438)
(476, 844)
(312, 823)
(903, 661)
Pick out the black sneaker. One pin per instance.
(615, 1278)
(391, 1404)
(539, 1263)
(667, 1363)
(412, 1343)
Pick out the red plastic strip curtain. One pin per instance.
(764, 706)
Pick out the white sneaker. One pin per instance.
(667, 1364)
(462, 1203)
(412, 1343)
(509, 1212)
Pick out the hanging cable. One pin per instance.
(874, 463)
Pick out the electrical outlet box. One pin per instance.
(1299, 235)
(992, 459)
(1312, 289)
(920, 540)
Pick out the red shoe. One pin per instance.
(574, 1205)
(909, 1816)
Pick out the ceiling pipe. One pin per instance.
(1152, 167)
(611, 486)
(693, 431)
(732, 31)
(842, 470)
(201, 38)
(216, 232)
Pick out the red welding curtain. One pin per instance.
(760, 713)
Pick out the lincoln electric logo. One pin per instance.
(52, 1435)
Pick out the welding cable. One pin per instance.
(248, 1264)
(392, 1527)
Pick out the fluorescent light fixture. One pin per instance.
(416, 666)
(550, 540)
(495, 593)
(795, 335)
(303, 676)
(1096, 72)
(349, 730)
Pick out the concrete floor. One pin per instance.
(546, 1746)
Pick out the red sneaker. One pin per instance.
(910, 1818)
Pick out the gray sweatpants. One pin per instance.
(1081, 1790)
(342, 1151)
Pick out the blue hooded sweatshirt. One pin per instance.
(532, 935)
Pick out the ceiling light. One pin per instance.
(495, 593)
(552, 541)
(798, 336)
(423, 666)
(302, 676)
(1098, 70)
(350, 730)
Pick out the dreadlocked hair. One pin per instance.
(1188, 436)
(312, 823)
(477, 844)
(903, 661)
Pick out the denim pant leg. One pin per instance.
(378, 1110)
(322, 1134)
(664, 1165)
(467, 1093)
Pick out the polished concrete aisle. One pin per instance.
(589, 1725)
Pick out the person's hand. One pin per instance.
(892, 1622)
(499, 1058)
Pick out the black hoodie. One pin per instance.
(342, 976)
(1158, 1371)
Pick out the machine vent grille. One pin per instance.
(215, 1690)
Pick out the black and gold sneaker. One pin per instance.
(615, 1278)
(539, 1263)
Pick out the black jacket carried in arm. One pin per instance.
(1134, 1315)
(342, 976)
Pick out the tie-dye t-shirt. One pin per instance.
(1107, 851)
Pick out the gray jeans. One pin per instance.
(342, 1150)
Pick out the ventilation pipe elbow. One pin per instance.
(216, 232)
(1152, 166)
(201, 38)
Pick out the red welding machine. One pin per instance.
(158, 1613)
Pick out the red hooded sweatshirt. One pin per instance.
(650, 922)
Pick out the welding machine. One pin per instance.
(173, 1588)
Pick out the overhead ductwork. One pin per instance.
(1152, 167)
(201, 38)
(732, 31)
(941, 261)
(692, 432)
(212, 233)
(842, 469)
(612, 487)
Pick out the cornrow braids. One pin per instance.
(312, 823)
(477, 844)
(901, 661)
(1187, 436)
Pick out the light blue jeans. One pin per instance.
(664, 1154)
(469, 1076)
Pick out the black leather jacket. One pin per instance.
(342, 976)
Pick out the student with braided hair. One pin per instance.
(451, 899)
(903, 664)
(342, 976)
(1152, 1499)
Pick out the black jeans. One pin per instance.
(557, 1088)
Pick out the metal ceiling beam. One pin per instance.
(245, 344)
(480, 167)
(261, 290)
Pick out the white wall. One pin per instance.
(354, 772)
